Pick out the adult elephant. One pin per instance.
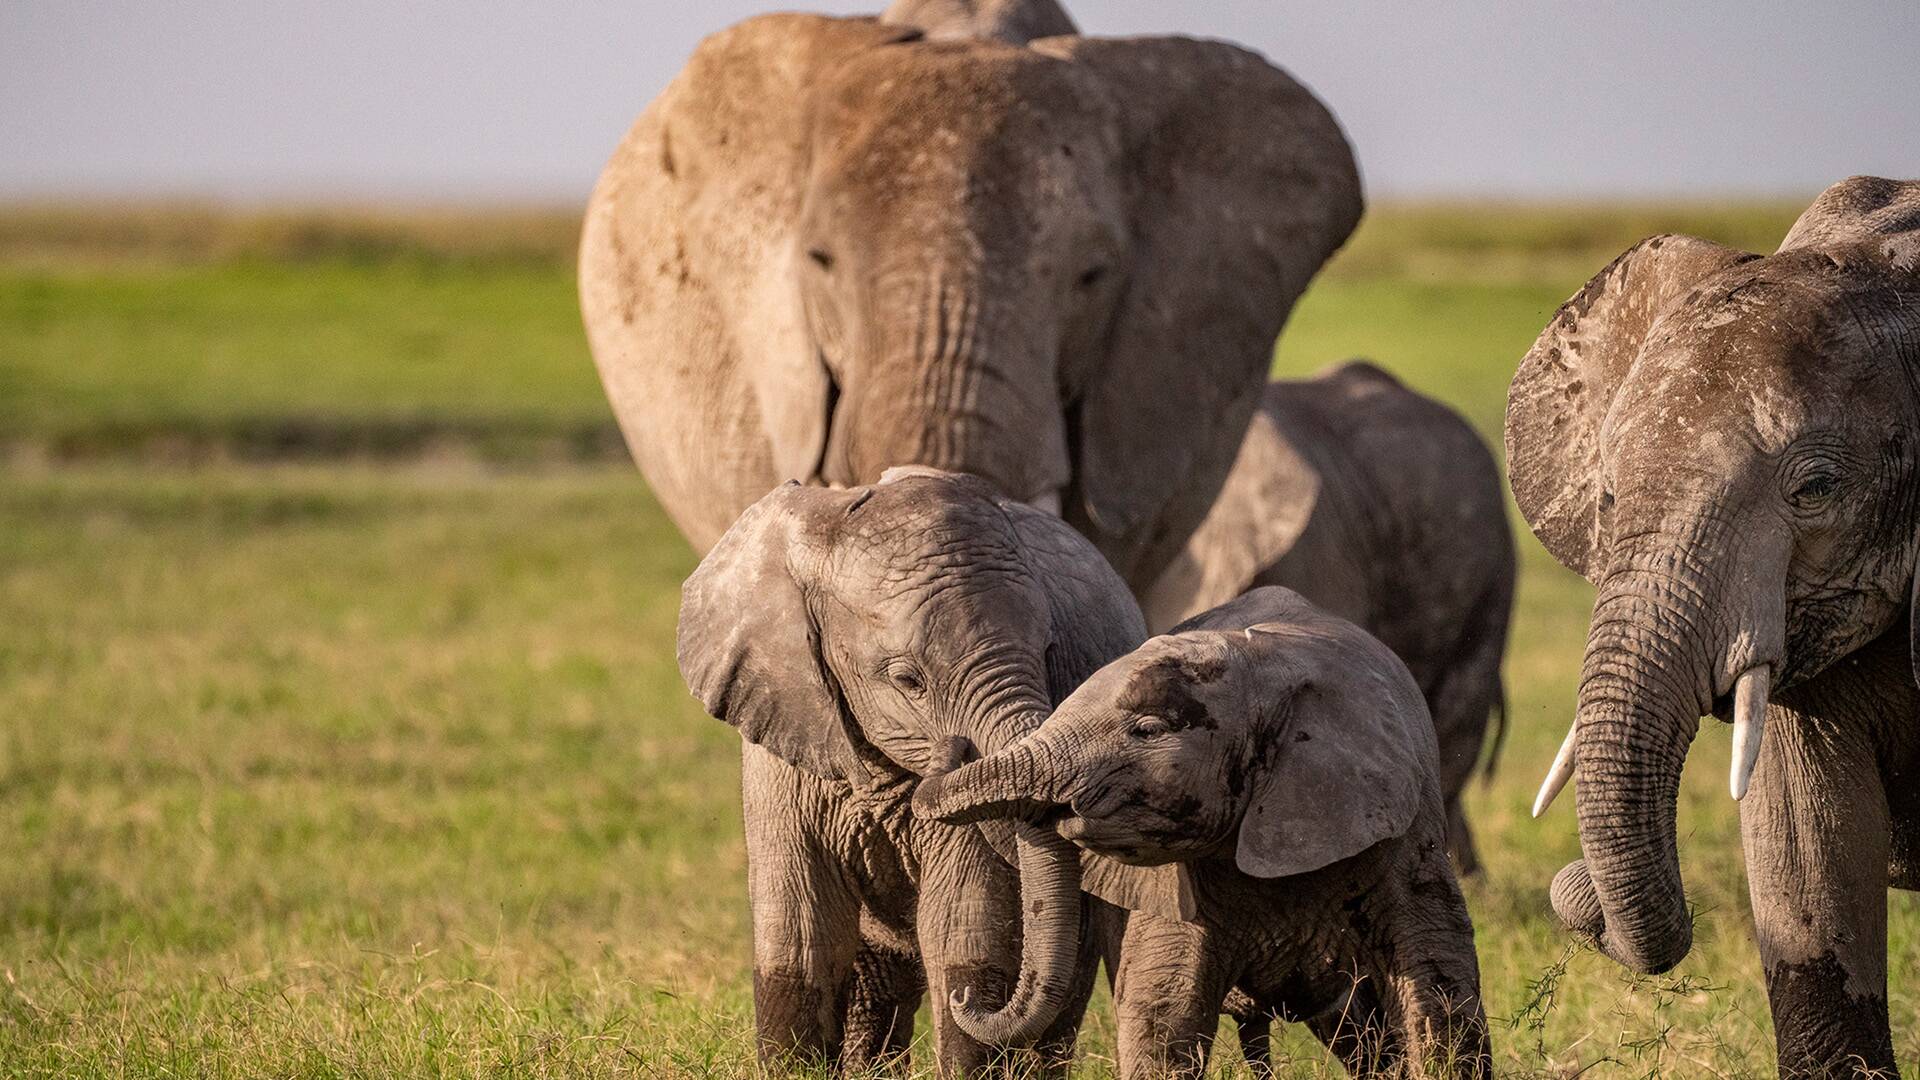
(1726, 445)
(837, 245)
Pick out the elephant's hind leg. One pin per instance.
(1815, 828)
(1357, 1032)
(1464, 697)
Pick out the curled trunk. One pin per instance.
(1642, 691)
(1050, 913)
(1009, 785)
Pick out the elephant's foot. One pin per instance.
(797, 1021)
(1822, 1030)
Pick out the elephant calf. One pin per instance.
(1384, 507)
(855, 637)
(1277, 766)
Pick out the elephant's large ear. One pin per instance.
(1243, 187)
(748, 647)
(1261, 511)
(1348, 747)
(1566, 383)
(1166, 891)
(705, 193)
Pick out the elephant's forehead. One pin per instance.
(935, 584)
(919, 533)
(933, 116)
(1754, 361)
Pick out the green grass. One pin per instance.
(91, 354)
(351, 771)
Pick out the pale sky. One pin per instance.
(487, 99)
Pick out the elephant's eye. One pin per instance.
(1151, 727)
(821, 257)
(907, 678)
(1092, 276)
(1815, 489)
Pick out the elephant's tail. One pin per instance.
(1471, 695)
(1500, 723)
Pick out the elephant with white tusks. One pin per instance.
(836, 245)
(1728, 446)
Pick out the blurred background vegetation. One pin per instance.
(340, 732)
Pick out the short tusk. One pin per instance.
(1749, 725)
(1558, 774)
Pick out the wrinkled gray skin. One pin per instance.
(1725, 445)
(1277, 766)
(1383, 507)
(857, 638)
(834, 245)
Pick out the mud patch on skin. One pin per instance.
(1163, 688)
(1820, 1028)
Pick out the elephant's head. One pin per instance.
(858, 633)
(1725, 445)
(1264, 728)
(1058, 266)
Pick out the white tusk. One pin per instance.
(1749, 725)
(1558, 774)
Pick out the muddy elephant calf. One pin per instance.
(1381, 506)
(1268, 773)
(855, 637)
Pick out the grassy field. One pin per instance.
(381, 766)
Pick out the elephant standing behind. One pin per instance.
(836, 245)
(856, 638)
(1383, 507)
(1728, 446)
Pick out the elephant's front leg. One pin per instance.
(1815, 828)
(968, 922)
(1431, 976)
(1173, 981)
(887, 987)
(806, 915)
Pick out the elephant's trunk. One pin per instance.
(1643, 688)
(958, 374)
(1011, 784)
(1050, 917)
